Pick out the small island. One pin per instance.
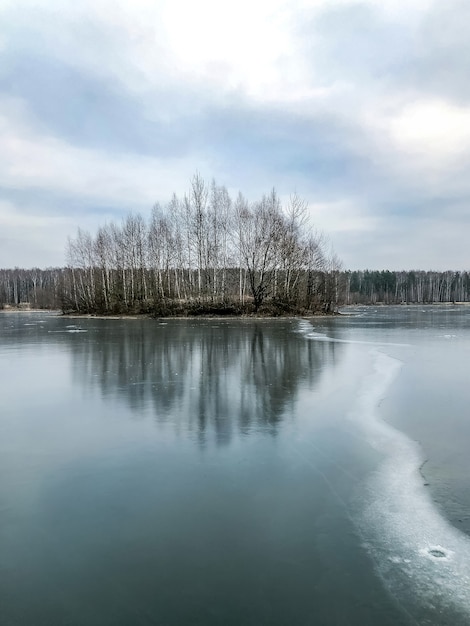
(208, 254)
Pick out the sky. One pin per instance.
(361, 108)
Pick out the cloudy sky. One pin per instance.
(362, 108)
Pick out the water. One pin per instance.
(235, 471)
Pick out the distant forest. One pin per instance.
(206, 253)
(51, 289)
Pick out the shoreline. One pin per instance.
(131, 316)
(196, 317)
(21, 310)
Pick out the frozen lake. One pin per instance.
(236, 472)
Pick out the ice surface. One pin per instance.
(307, 329)
(413, 545)
(73, 328)
(417, 552)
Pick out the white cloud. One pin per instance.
(251, 47)
(30, 159)
(256, 53)
(28, 240)
(432, 129)
(342, 215)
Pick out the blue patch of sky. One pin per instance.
(320, 149)
(453, 207)
(442, 61)
(356, 41)
(36, 201)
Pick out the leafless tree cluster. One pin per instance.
(205, 251)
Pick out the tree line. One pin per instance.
(404, 287)
(51, 288)
(206, 252)
(37, 288)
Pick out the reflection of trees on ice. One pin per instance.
(221, 376)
